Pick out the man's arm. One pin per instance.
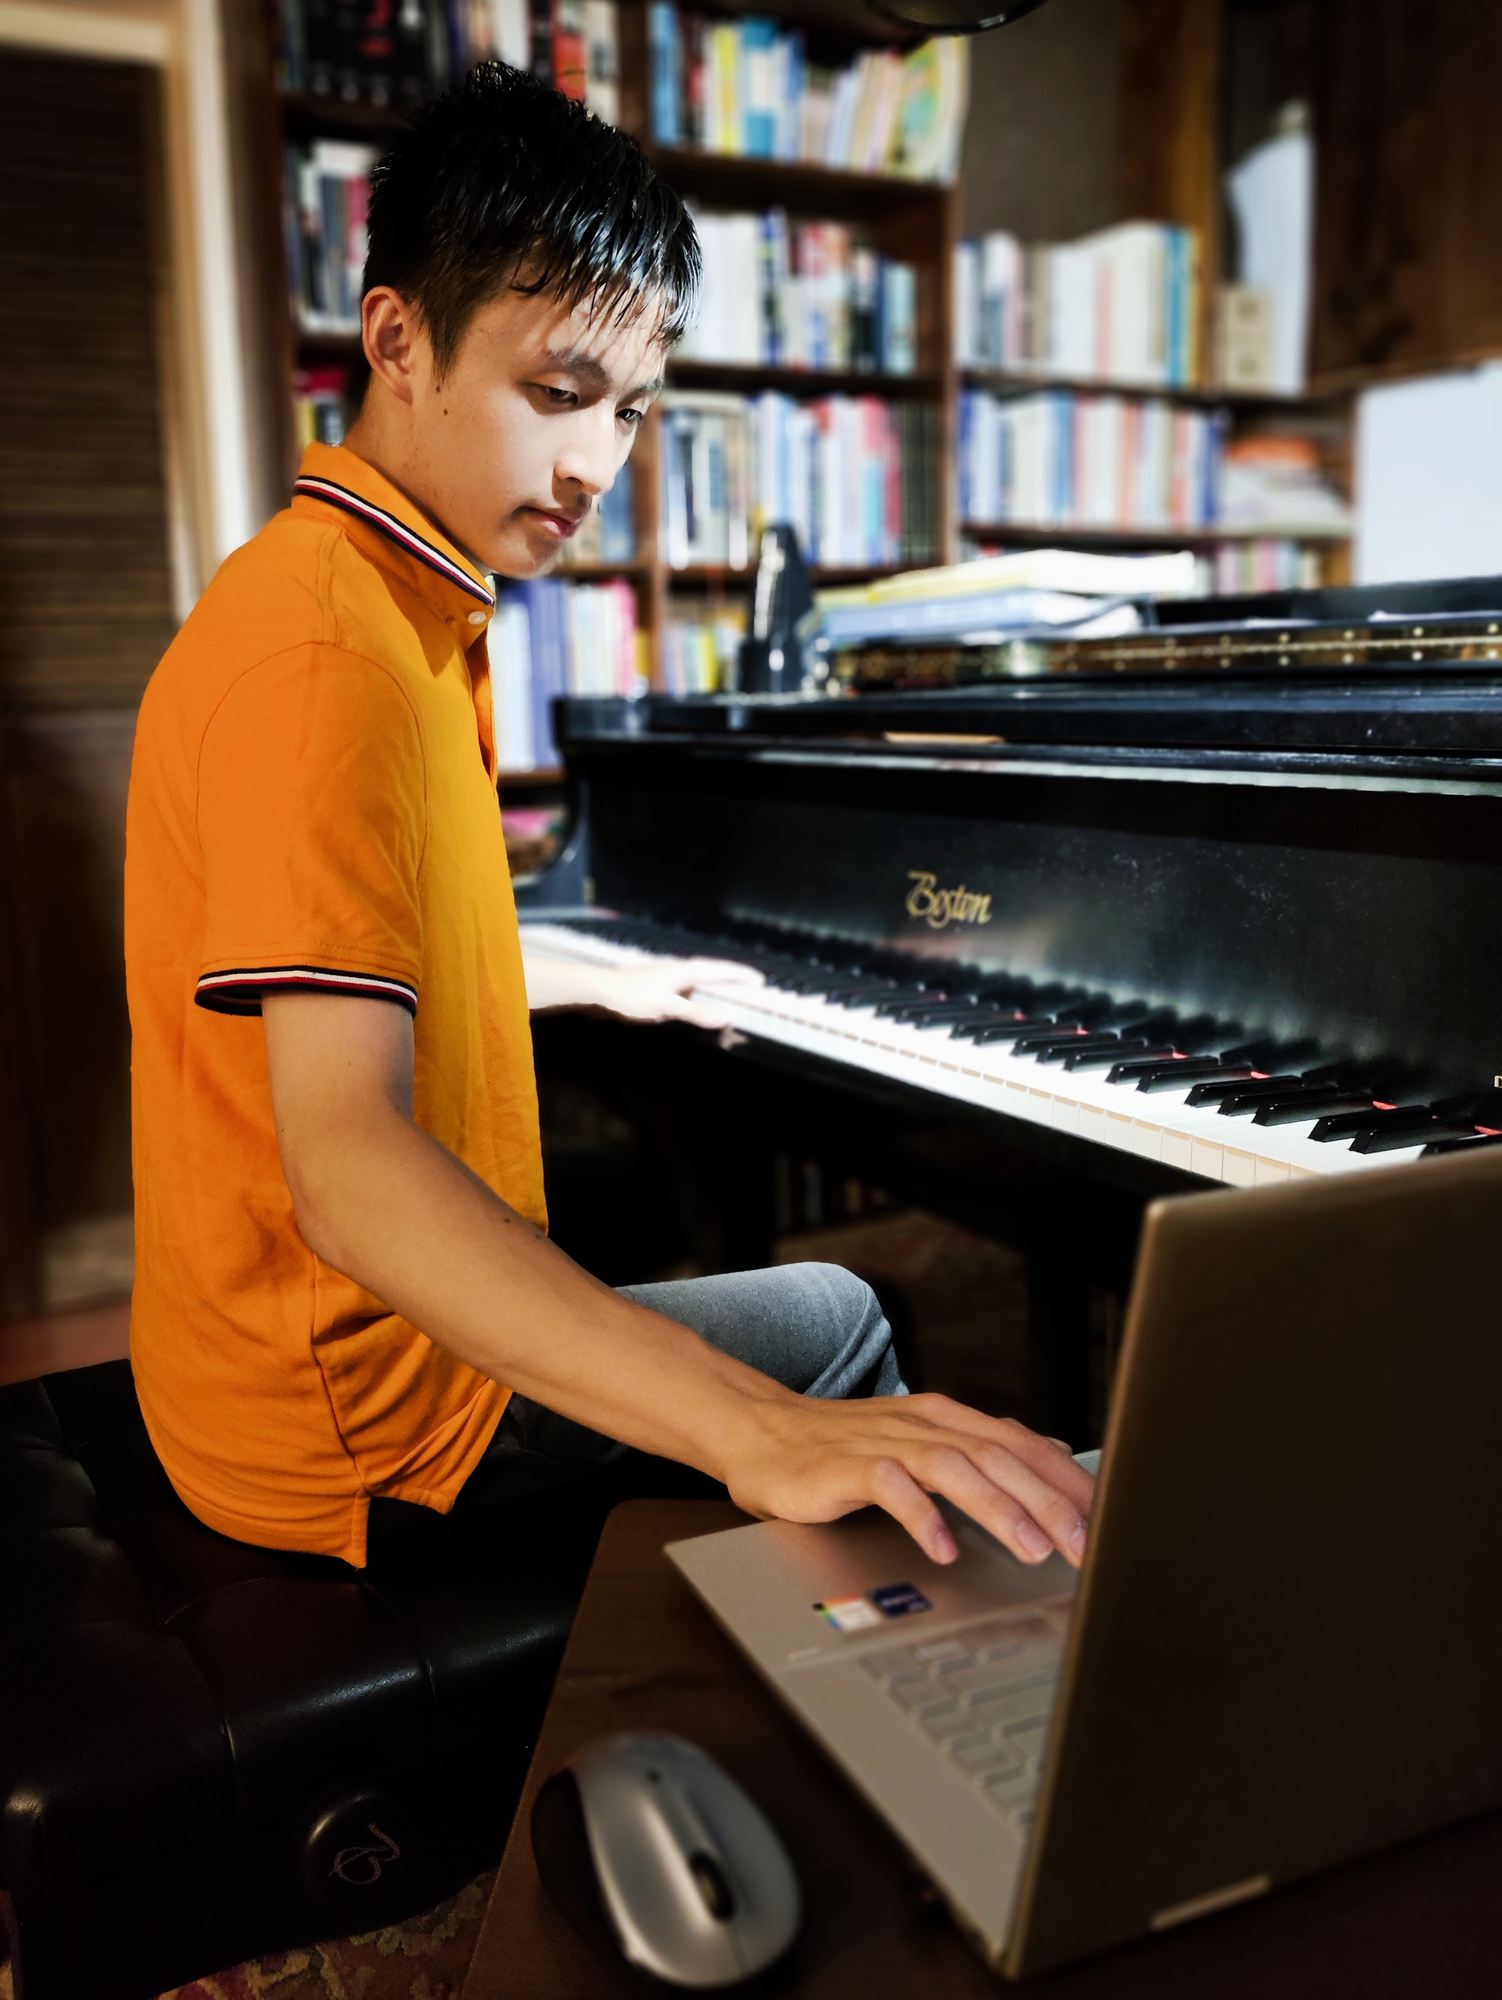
(380, 1200)
(659, 991)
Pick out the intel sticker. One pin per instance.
(848, 1614)
(899, 1600)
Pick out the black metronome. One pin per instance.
(771, 659)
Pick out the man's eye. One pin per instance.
(564, 398)
(632, 417)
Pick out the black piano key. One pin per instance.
(1057, 1047)
(936, 1009)
(1381, 1117)
(857, 992)
(1179, 1073)
(1099, 1058)
(950, 1014)
(1392, 1139)
(1463, 1143)
(1304, 1106)
(1214, 1090)
(891, 1005)
(1244, 1100)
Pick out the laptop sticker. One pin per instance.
(848, 1614)
(859, 1614)
(899, 1600)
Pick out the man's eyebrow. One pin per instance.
(571, 361)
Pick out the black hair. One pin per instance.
(502, 181)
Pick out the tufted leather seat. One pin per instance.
(209, 1751)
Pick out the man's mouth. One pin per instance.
(561, 525)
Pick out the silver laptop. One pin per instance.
(1286, 1644)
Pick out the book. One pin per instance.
(746, 87)
(551, 637)
(805, 296)
(1121, 306)
(328, 193)
(1101, 461)
(851, 475)
(607, 534)
(602, 47)
(665, 73)
(977, 618)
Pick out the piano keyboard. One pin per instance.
(1034, 1085)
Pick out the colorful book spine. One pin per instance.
(1108, 462)
(746, 88)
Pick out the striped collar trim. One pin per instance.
(329, 490)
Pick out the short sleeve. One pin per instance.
(311, 820)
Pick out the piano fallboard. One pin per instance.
(1359, 907)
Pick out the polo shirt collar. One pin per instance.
(396, 533)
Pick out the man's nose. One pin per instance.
(591, 455)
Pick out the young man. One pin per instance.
(345, 1295)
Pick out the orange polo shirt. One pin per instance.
(313, 806)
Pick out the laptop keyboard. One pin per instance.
(983, 1699)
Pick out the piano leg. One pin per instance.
(1058, 1332)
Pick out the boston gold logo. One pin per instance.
(939, 908)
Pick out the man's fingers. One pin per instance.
(1044, 1457)
(894, 1488)
(947, 1470)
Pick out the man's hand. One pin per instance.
(823, 1459)
(379, 1199)
(660, 991)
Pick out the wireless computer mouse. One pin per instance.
(654, 1852)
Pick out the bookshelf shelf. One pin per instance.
(797, 185)
(713, 577)
(1032, 534)
(538, 779)
(751, 378)
(322, 114)
(1019, 382)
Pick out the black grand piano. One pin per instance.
(1050, 929)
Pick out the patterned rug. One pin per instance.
(423, 1959)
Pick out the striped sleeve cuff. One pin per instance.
(239, 991)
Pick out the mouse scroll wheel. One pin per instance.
(712, 1885)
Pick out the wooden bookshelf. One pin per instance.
(1172, 114)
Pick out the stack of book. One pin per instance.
(853, 475)
(319, 405)
(1119, 306)
(700, 649)
(744, 87)
(807, 295)
(1268, 563)
(364, 51)
(1088, 461)
(328, 200)
(551, 638)
(403, 52)
(607, 534)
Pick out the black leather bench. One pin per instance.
(210, 1751)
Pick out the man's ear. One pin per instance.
(394, 340)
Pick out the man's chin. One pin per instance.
(521, 559)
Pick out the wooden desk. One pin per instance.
(1421, 1923)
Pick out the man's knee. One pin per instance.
(848, 1300)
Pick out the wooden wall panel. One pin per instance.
(85, 613)
(85, 601)
(1409, 244)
